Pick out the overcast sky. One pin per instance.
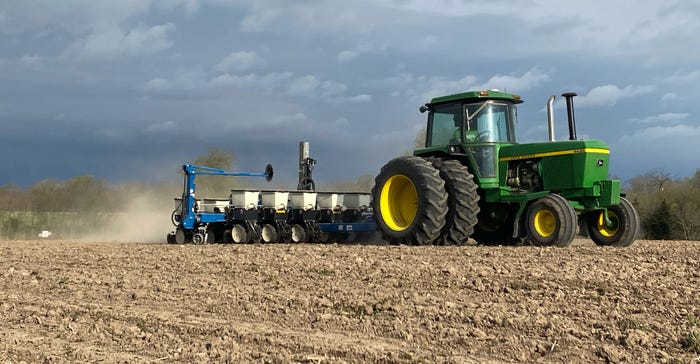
(128, 90)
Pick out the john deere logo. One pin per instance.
(600, 163)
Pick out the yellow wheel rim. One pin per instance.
(604, 229)
(398, 202)
(545, 223)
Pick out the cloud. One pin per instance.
(329, 91)
(365, 48)
(306, 17)
(609, 95)
(196, 83)
(669, 118)
(303, 86)
(190, 6)
(266, 82)
(347, 55)
(239, 61)
(184, 80)
(30, 59)
(113, 42)
(164, 127)
(74, 17)
(530, 79)
(683, 77)
(668, 147)
(680, 136)
(512, 83)
(669, 96)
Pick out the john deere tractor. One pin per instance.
(473, 180)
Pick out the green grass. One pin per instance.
(691, 341)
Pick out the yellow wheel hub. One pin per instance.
(398, 202)
(604, 229)
(545, 223)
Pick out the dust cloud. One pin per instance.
(145, 218)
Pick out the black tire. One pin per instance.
(198, 239)
(409, 201)
(171, 238)
(182, 237)
(462, 202)
(495, 225)
(551, 221)
(626, 227)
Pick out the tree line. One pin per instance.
(668, 208)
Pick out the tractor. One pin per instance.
(472, 179)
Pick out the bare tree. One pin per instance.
(216, 186)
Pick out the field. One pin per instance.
(73, 301)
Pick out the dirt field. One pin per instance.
(113, 302)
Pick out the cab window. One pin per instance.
(445, 125)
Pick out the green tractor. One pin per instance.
(473, 180)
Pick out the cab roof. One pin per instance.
(476, 96)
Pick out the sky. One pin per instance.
(129, 90)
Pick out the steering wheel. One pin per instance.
(483, 136)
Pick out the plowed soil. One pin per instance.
(137, 302)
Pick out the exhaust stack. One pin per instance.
(569, 96)
(550, 117)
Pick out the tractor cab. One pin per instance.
(473, 124)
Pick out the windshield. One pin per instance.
(490, 122)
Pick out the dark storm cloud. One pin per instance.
(129, 90)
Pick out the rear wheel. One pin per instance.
(623, 229)
(409, 201)
(462, 202)
(551, 221)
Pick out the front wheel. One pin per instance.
(551, 221)
(409, 201)
(622, 230)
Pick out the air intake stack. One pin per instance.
(569, 96)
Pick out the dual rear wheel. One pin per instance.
(419, 202)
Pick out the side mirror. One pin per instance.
(423, 109)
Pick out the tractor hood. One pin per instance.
(561, 165)
(550, 149)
